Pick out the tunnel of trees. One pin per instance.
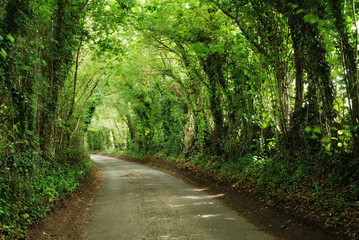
(264, 92)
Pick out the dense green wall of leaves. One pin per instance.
(264, 91)
(231, 77)
(45, 105)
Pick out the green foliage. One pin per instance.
(95, 141)
(262, 91)
(71, 155)
(220, 78)
(45, 87)
(30, 187)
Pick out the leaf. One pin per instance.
(317, 129)
(11, 38)
(326, 139)
(311, 18)
(3, 53)
(314, 137)
(308, 129)
(299, 11)
(327, 147)
(15, 128)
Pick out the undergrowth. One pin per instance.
(29, 186)
(314, 191)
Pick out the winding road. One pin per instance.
(140, 203)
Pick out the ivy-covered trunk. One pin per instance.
(59, 59)
(16, 74)
(350, 65)
(212, 65)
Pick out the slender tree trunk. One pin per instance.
(299, 81)
(350, 66)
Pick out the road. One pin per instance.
(140, 203)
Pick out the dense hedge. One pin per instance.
(29, 188)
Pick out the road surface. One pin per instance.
(140, 203)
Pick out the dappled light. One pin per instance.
(198, 189)
(203, 197)
(168, 238)
(210, 215)
(203, 203)
(176, 205)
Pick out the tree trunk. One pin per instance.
(299, 81)
(349, 64)
(18, 81)
(212, 67)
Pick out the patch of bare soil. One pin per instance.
(255, 207)
(65, 221)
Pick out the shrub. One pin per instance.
(29, 185)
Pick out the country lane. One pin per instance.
(140, 203)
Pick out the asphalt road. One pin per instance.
(140, 203)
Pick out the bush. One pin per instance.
(71, 155)
(29, 185)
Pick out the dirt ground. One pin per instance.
(65, 222)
